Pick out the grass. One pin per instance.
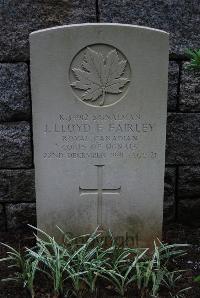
(80, 266)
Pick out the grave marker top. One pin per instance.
(99, 120)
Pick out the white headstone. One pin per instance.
(99, 94)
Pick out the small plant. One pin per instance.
(197, 279)
(170, 281)
(25, 266)
(55, 262)
(194, 56)
(79, 266)
(121, 279)
(153, 269)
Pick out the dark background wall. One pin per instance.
(18, 18)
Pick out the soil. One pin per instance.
(174, 233)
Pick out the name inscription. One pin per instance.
(80, 136)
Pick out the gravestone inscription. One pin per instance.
(99, 95)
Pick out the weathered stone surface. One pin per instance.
(188, 211)
(169, 195)
(173, 85)
(14, 92)
(19, 19)
(183, 138)
(189, 182)
(15, 145)
(190, 90)
(17, 185)
(2, 219)
(179, 18)
(116, 136)
(19, 215)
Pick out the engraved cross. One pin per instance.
(99, 191)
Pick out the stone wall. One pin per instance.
(18, 19)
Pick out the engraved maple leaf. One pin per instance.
(99, 75)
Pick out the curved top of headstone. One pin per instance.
(84, 25)
(99, 72)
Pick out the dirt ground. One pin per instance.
(174, 233)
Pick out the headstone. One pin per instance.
(99, 94)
